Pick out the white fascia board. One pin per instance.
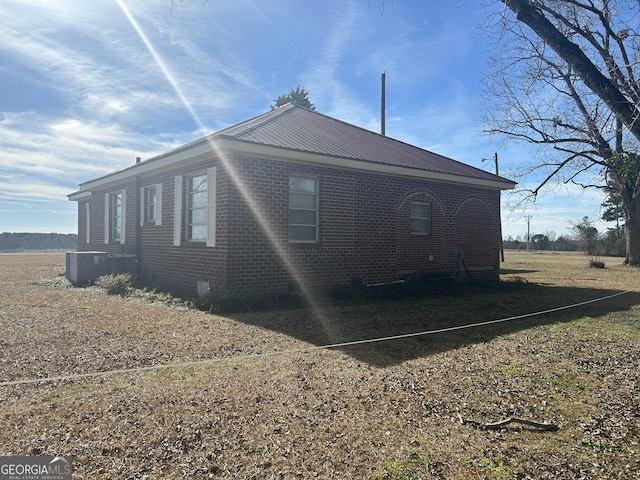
(233, 146)
(209, 148)
(221, 146)
(79, 195)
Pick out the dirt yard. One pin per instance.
(176, 393)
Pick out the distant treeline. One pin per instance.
(612, 243)
(15, 242)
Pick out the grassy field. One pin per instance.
(251, 396)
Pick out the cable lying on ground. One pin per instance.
(240, 358)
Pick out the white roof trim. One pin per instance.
(234, 146)
(221, 146)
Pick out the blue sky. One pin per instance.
(86, 87)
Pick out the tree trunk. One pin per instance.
(632, 231)
(603, 87)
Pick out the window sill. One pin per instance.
(304, 245)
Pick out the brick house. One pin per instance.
(293, 197)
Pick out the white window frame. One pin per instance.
(177, 211)
(182, 183)
(114, 230)
(87, 222)
(201, 210)
(425, 220)
(212, 195)
(151, 212)
(293, 208)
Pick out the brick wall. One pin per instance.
(364, 229)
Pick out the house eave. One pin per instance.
(234, 146)
(79, 195)
(198, 151)
(223, 146)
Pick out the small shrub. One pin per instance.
(115, 284)
(596, 264)
(59, 281)
(235, 302)
(158, 295)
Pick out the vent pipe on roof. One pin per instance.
(382, 104)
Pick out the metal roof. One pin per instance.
(291, 128)
(298, 128)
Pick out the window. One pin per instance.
(200, 210)
(420, 218)
(115, 209)
(197, 208)
(151, 206)
(303, 209)
(114, 216)
(87, 221)
(150, 203)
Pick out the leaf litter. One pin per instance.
(369, 411)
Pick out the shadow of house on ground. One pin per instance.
(340, 325)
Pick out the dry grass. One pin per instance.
(379, 410)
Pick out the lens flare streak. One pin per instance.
(233, 174)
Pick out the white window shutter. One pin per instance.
(87, 221)
(212, 174)
(106, 218)
(177, 212)
(158, 204)
(124, 215)
(141, 200)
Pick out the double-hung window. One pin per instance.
(116, 215)
(421, 218)
(303, 209)
(151, 205)
(150, 200)
(199, 213)
(197, 208)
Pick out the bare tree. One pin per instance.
(566, 78)
(587, 235)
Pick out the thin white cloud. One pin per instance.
(90, 97)
(323, 77)
(37, 192)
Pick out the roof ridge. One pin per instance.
(373, 132)
(257, 121)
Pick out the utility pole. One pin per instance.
(528, 232)
(383, 94)
(495, 159)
